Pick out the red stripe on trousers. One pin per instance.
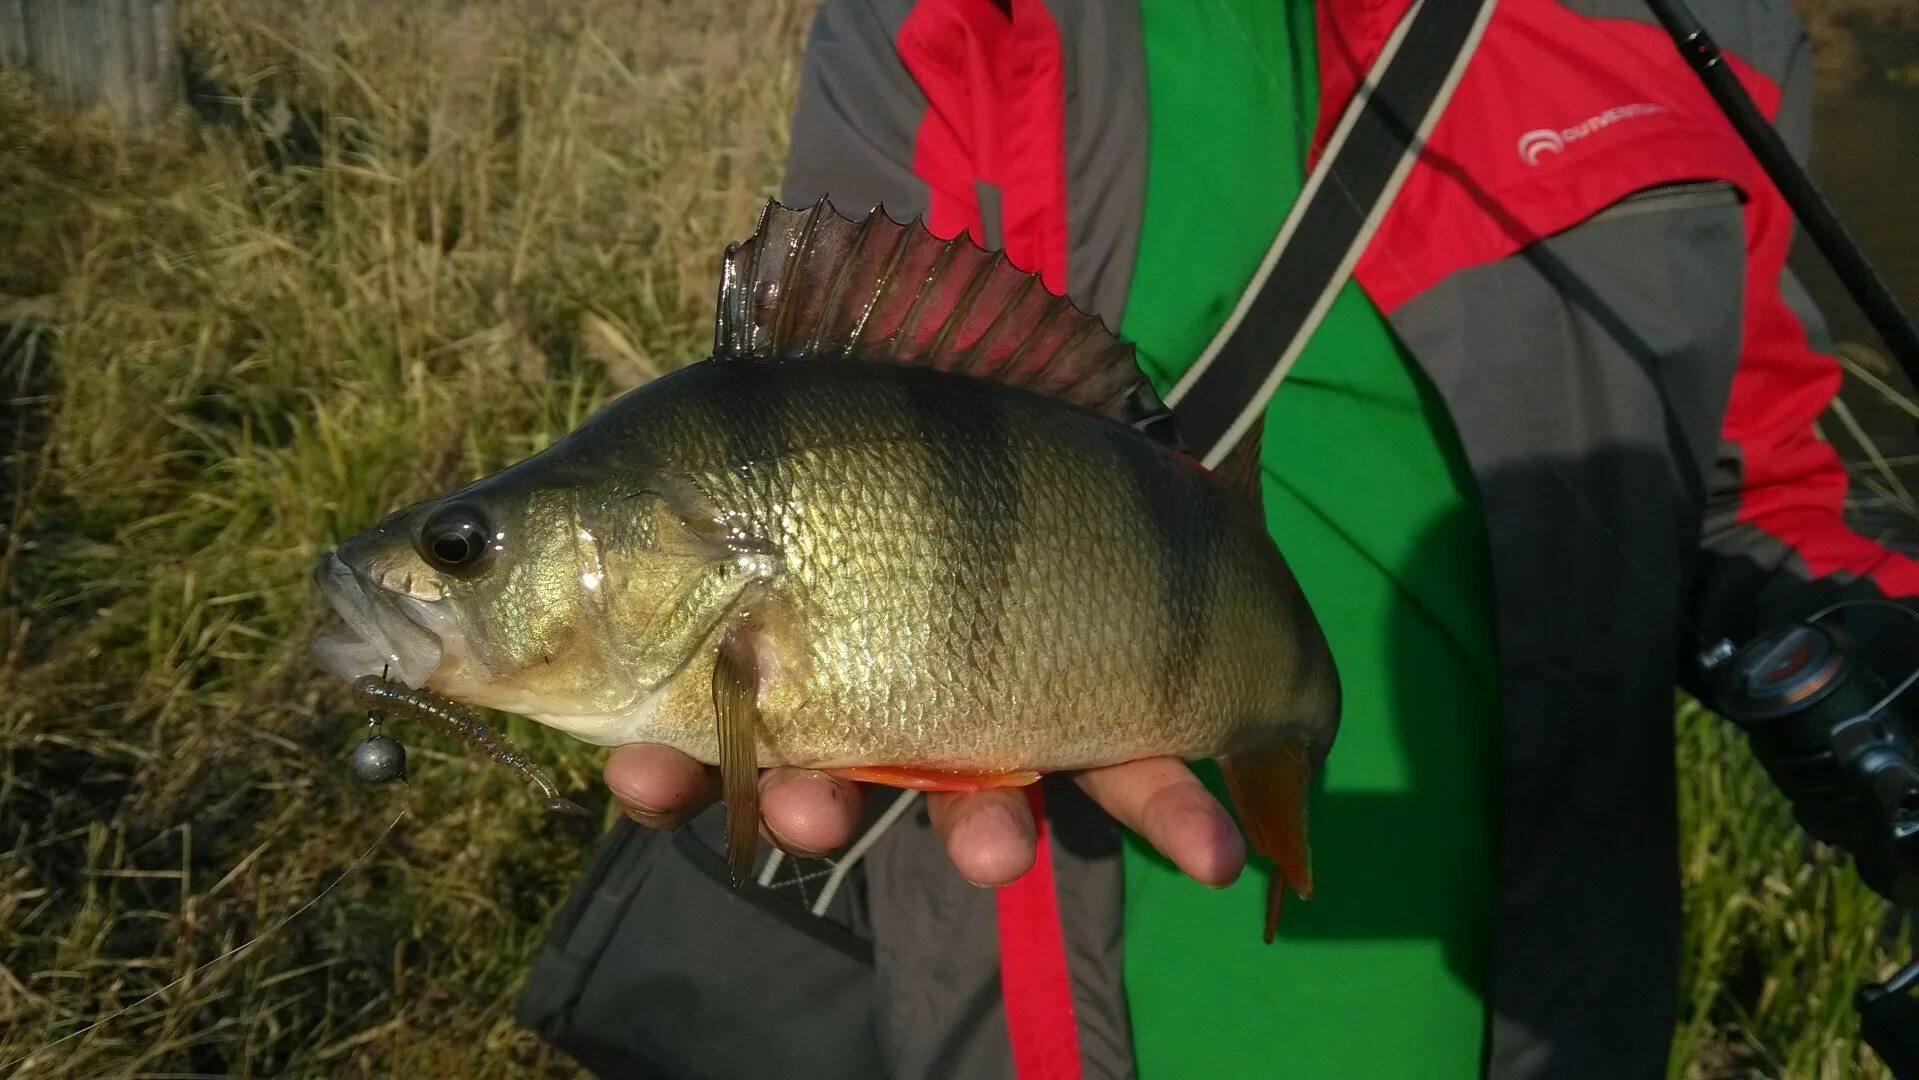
(1032, 965)
(995, 86)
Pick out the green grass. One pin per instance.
(1778, 933)
(416, 242)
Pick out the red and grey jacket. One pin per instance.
(1590, 269)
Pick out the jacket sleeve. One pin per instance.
(859, 113)
(1775, 542)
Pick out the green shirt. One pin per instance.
(1383, 972)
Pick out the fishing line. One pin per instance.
(230, 953)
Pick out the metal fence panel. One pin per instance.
(120, 54)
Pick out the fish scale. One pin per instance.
(1085, 633)
(878, 531)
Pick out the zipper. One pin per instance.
(1672, 197)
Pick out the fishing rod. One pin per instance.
(1822, 727)
(1815, 214)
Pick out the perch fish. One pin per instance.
(915, 521)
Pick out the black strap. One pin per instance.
(1365, 162)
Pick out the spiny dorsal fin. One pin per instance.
(811, 283)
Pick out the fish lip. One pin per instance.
(386, 633)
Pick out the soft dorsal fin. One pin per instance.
(811, 283)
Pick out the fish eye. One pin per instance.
(455, 540)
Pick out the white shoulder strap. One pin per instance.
(1361, 171)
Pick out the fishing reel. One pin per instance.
(1831, 735)
(1827, 731)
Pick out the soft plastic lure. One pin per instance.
(396, 698)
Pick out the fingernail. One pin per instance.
(649, 817)
(788, 846)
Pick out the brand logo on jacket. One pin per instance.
(1537, 143)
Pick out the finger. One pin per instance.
(656, 785)
(1161, 799)
(808, 813)
(989, 834)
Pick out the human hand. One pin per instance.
(988, 834)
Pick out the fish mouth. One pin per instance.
(386, 633)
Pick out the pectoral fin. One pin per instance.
(1268, 785)
(736, 691)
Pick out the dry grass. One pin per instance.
(417, 241)
(409, 244)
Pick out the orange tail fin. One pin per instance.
(1268, 786)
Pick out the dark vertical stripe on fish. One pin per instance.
(1186, 546)
(750, 415)
(976, 480)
